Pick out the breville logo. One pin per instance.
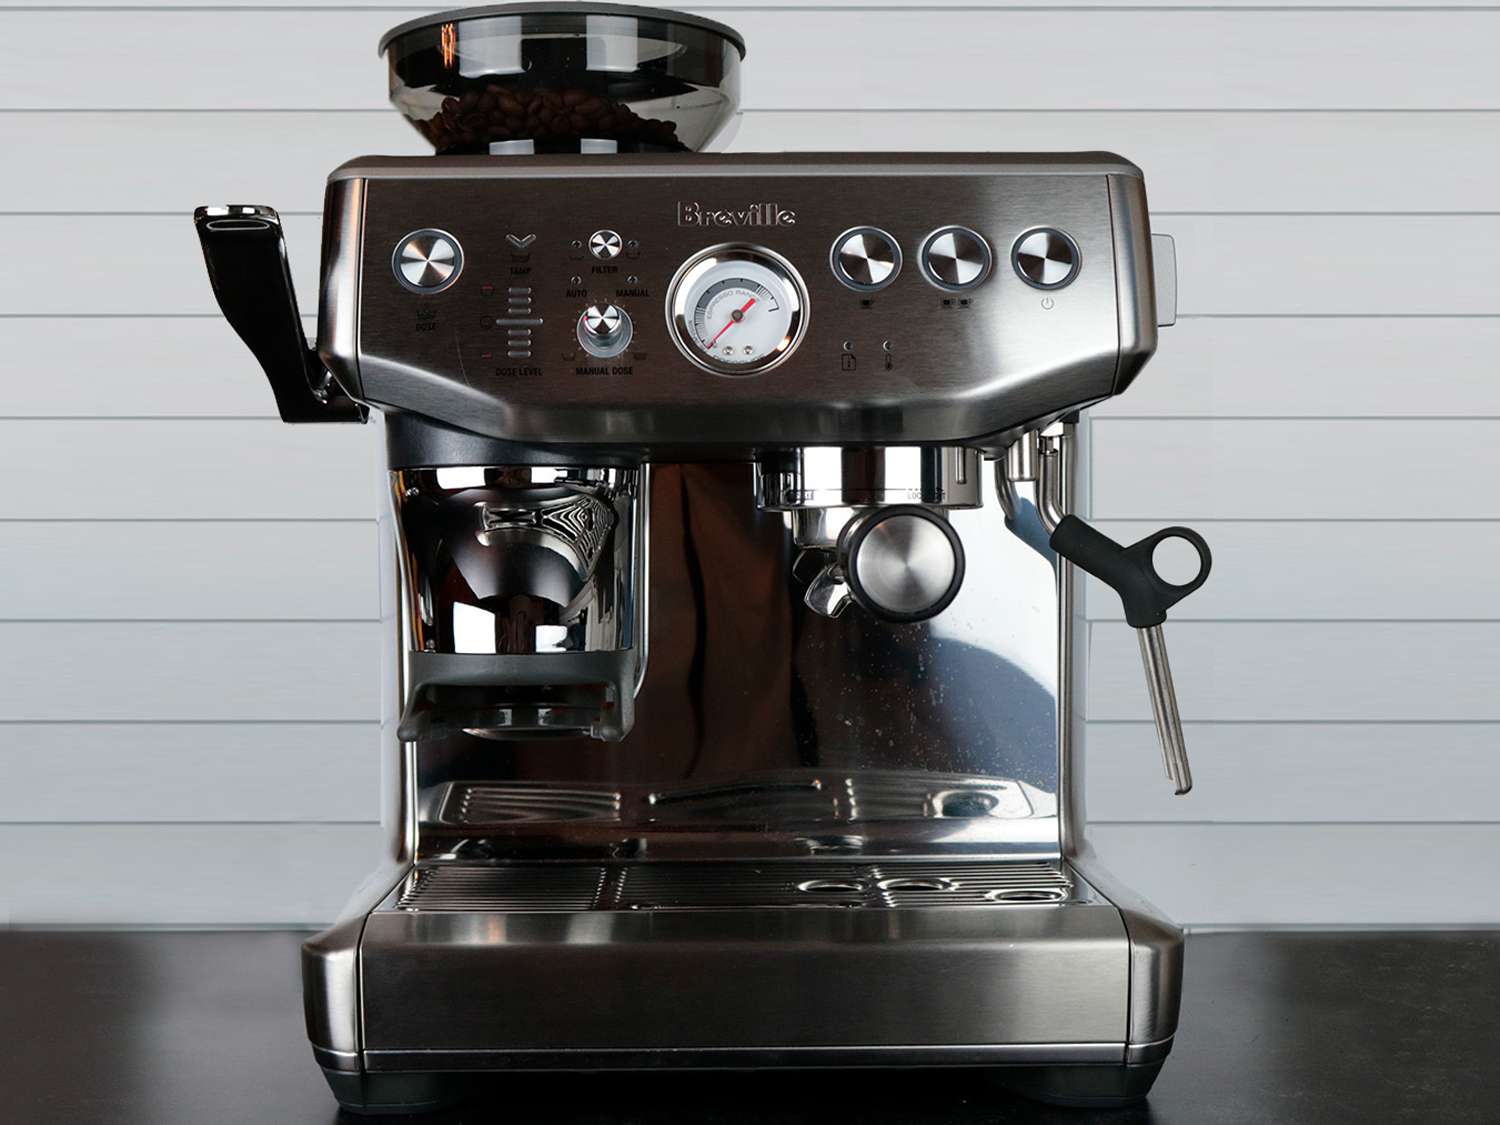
(753, 215)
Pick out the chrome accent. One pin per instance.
(720, 1058)
(828, 593)
(1164, 708)
(472, 803)
(604, 330)
(836, 477)
(525, 596)
(866, 259)
(520, 559)
(744, 885)
(956, 258)
(902, 563)
(427, 260)
(605, 245)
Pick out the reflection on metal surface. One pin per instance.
(835, 477)
(774, 799)
(746, 885)
(747, 684)
(535, 568)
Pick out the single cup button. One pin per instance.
(865, 259)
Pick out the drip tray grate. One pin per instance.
(569, 887)
(500, 803)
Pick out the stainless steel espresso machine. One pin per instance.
(732, 709)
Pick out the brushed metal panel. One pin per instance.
(927, 365)
(751, 979)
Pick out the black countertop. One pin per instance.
(163, 1028)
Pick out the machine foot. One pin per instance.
(1086, 1086)
(388, 1094)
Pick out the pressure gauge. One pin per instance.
(737, 309)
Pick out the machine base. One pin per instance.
(391, 1094)
(1081, 1085)
(1095, 1086)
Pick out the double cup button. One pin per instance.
(956, 258)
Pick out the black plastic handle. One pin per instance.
(1130, 571)
(247, 266)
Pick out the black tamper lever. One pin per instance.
(247, 265)
(1131, 573)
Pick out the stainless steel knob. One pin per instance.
(902, 563)
(605, 244)
(956, 258)
(1045, 258)
(604, 330)
(427, 261)
(865, 258)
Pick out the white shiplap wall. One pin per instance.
(176, 567)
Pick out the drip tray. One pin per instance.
(783, 797)
(565, 887)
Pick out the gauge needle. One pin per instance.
(734, 318)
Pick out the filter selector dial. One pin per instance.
(604, 330)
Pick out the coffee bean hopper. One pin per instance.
(734, 618)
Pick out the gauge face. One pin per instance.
(737, 309)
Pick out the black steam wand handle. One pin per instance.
(247, 266)
(1131, 572)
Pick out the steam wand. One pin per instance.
(1129, 571)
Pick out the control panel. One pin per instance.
(741, 301)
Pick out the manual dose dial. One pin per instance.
(737, 309)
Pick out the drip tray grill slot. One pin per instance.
(572, 887)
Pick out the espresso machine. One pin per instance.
(732, 586)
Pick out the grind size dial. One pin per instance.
(737, 309)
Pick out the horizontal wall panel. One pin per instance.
(213, 570)
(134, 367)
(1137, 58)
(1283, 264)
(1295, 265)
(183, 875)
(190, 772)
(730, 11)
(1310, 875)
(1361, 571)
(204, 671)
(1305, 672)
(1288, 367)
(94, 265)
(112, 470)
(1193, 161)
(1298, 772)
(1299, 470)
